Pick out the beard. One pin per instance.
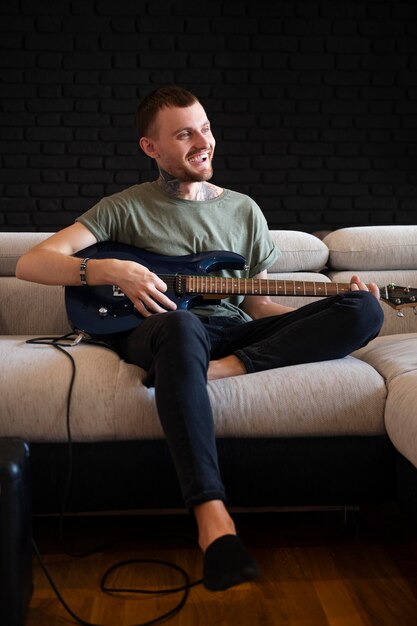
(189, 174)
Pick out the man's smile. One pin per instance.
(201, 157)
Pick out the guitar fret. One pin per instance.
(213, 285)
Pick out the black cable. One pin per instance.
(57, 342)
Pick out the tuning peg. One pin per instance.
(400, 314)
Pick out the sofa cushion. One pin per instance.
(299, 252)
(373, 248)
(401, 415)
(391, 356)
(395, 358)
(30, 308)
(13, 245)
(109, 401)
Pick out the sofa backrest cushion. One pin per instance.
(373, 248)
(300, 252)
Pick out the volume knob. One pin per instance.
(103, 311)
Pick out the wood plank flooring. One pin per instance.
(314, 573)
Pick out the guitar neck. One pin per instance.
(217, 285)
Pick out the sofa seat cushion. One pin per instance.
(391, 356)
(109, 401)
(401, 414)
(395, 357)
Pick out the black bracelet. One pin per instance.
(83, 268)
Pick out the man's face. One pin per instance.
(183, 143)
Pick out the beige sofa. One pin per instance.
(340, 432)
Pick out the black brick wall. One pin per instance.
(313, 103)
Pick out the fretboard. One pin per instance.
(256, 286)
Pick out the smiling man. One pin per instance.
(183, 213)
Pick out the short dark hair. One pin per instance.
(169, 96)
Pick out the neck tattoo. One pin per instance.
(172, 186)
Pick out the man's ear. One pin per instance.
(148, 147)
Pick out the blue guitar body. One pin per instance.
(103, 310)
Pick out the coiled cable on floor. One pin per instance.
(61, 343)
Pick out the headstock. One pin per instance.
(399, 297)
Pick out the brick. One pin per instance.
(86, 61)
(48, 24)
(160, 25)
(348, 45)
(234, 60)
(283, 162)
(188, 8)
(92, 191)
(345, 27)
(48, 104)
(124, 77)
(85, 119)
(334, 189)
(54, 162)
(46, 7)
(87, 176)
(126, 178)
(78, 205)
(134, 42)
(316, 92)
(78, 24)
(98, 92)
(386, 62)
(54, 220)
(301, 204)
(49, 41)
(86, 106)
(305, 28)
(54, 190)
(18, 219)
(375, 203)
(17, 204)
(48, 76)
(121, 163)
(86, 147)
(309, 176)
(87, 43)
(309, 148)
(304, 121)
(121, 7)
(18, 147)
(340, 204)
(340, 163)
(272, 43)
(19, 175)
(49, 205)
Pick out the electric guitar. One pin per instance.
(104, 309)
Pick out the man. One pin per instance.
(182, 213)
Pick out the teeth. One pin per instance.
(198, 158)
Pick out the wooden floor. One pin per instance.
(314, 573)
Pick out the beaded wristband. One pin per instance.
(83, 268)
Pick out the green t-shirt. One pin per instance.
(145, 217)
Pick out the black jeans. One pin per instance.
(175, 348)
